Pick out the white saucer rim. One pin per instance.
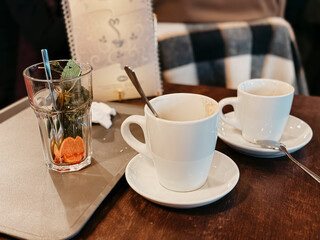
(185, 204)
(262, 152)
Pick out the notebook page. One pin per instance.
(110, 34)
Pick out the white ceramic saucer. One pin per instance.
(223, 176)
(296, 135)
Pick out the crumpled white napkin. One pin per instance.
(101, 113)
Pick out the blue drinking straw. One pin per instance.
(45, 58)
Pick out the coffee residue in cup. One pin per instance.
(210, 108)
(190, 114)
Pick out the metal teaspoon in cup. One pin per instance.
(131, 74)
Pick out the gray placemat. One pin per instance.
(36, 203)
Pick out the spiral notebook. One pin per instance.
(110, 34)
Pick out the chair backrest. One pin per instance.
(226, 54)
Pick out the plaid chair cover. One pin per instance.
(225, 54)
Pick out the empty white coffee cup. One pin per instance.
(181, 142)
(261, 109)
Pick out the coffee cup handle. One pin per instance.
(130, 139)
(233, 101)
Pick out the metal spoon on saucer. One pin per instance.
(131, 74)
(280, 146)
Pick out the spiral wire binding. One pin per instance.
(67, 19)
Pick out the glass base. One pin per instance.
(70, 168)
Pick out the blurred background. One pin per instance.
(28, 26)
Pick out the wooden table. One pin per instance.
(274, 199)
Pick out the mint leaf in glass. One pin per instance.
(71, 70)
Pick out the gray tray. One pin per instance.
(36, 203)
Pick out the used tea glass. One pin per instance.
(63, 113)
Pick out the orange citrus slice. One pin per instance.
(71, 150)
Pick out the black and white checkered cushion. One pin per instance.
(225, 54)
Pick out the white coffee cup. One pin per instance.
(181, 142)
(261, 109)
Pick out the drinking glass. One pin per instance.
(62, 108)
